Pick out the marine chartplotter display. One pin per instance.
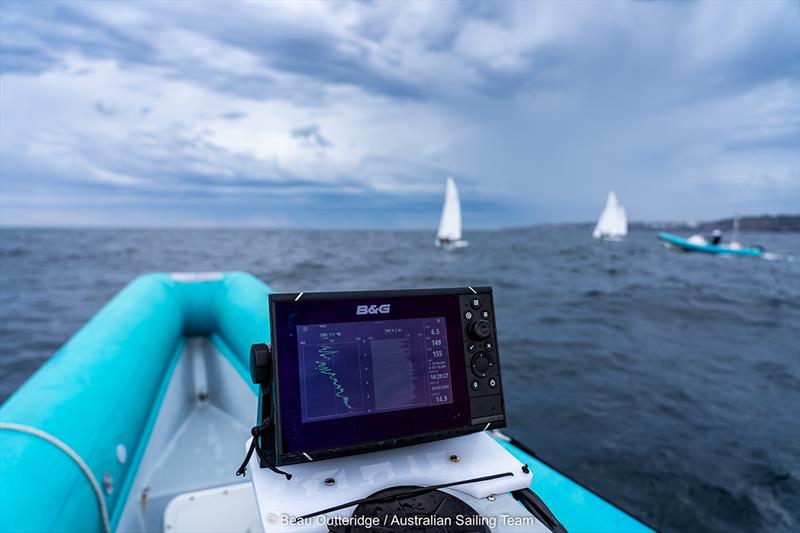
(360, 371)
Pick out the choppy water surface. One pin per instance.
(668, 382)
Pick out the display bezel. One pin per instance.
(295, 441)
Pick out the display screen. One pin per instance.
(351, 369)
(345, 378)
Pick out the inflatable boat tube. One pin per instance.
(96, 394)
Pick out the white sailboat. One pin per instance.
(613, 222)
(449, 234)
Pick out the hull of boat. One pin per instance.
(612, 238)
(154, 395)
(451, 245)
(687, 246)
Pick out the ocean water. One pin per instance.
(667, 382)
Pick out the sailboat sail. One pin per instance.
(613, 222)
(450, 223)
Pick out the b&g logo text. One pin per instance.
(373, 309)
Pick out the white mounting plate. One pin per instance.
(358, 476)
(227, 508)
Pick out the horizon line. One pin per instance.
(651, 223)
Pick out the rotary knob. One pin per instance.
(260, 363)
(480, 330)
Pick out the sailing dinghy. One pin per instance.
(613, 222)
(449, 235)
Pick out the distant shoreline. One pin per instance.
(763, 223)
(751, 224)
(755, 224)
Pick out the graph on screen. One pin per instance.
(357, 368)
(399, 377)
(332, 379)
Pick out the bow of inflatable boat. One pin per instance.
(138, 422)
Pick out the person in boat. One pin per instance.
(716, 237)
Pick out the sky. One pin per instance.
(352, 114)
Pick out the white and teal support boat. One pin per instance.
(139, 422)
(696, 243)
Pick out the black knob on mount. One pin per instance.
(260, 363)
(480, 330)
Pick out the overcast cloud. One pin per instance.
(352, 114)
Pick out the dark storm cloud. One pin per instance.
(25, 60)
(537, 108)
(311, 136)
(50, 29)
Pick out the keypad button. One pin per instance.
(476, 303)
(481, 364)
(468, 315)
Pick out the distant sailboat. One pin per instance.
(449, 235)
(613, 222)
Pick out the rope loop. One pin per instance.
(72, 454)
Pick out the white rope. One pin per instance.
(74, 456)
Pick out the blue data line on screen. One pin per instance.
(326, 354)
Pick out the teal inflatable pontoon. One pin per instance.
(688, 245)
(142, 417)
